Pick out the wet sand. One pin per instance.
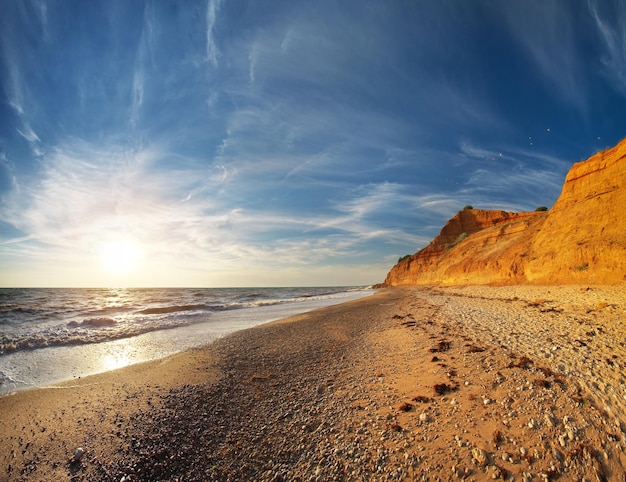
(481, 383)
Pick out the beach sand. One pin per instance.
(477, 383)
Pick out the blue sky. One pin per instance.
(276, 143)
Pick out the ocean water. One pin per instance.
(50, 335)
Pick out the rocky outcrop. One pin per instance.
(582, 239)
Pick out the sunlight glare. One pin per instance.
(119, 256)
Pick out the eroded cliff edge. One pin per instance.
(582, 239)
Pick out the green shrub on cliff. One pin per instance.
(402, 258)
(541, 208)
(459, 238)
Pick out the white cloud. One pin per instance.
(137, 96)
(612, 32)
(510, 181)
(29, 134)
(511, 178)
(16, 97)
(86, 192)
(253, 58)
(89, 193)
(212, 51)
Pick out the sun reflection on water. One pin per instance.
(121, 353)
(113, 362)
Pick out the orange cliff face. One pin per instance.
(469, 250)
(582, 239)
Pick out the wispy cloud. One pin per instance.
(547, 33)
(29, 134)
(86, 192)
(137, 96)
(512, 178)
(144, 59)
(18, 97)
(611, 26)
(14, 89)
(212, 10)
(90, 193)
(392, 212)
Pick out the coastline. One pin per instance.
(129, 336)
(408, 382)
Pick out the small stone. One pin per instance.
(454, 402)
(480, 456)
(532, 423)
(505, 456)
(523, 451)
(550, 420)
(456, 470)
(559, 455)
(78, 454)
(424, 417)
(487, 401)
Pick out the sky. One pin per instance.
(285, 143)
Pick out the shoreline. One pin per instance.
(72, 361)
(408, 382)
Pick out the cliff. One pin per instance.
(582, 239)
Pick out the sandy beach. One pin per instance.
(478, 383)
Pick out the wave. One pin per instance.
(94, 322)
(8, 310)
(81, 334)
(171, 309)
(110, 309)
(77, 317)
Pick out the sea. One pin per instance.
(53, 335)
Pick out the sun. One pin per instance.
(119, 256)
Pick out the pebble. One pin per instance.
(550, 420)
(497, 473)
(424, 417)
(458, 471)
(78, 454)
(559, 455)
(480, 456)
